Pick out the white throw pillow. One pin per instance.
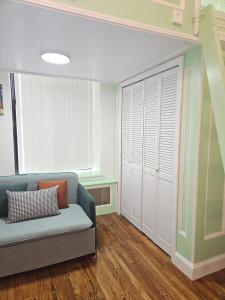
(32, 204)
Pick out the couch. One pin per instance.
(41, 242)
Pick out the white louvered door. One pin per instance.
(150, 137)
(126, 150)
(150, 159)
(136, 153)
(168, 135)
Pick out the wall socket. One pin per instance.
(177, 17)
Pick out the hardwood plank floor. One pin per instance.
(128, 266)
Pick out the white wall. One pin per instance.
(6, 130)
(108, 131)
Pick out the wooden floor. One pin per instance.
(128, 266)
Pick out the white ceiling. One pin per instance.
(98, 50)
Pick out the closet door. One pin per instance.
(126, 150)
(136, 154)
(168, 130)
(150, 159)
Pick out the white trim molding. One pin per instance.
(111, 19)
(180, 6)
(184, 265)
(164, 64)
(200, 269)
(162, 61)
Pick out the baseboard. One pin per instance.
(208, 266)
(201, 269)
(184, 265)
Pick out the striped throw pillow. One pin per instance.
(32, 204)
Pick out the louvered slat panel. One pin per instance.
(151, 121)
(126, 123)
(167, 122)
(137, 123)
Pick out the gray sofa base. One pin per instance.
(44, 252)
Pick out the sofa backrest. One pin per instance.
(33, 179)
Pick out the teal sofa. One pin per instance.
(41, 242)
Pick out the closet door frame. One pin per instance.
(179, 63)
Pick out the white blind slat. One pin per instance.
(56, 123)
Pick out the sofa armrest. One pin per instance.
(87, 202)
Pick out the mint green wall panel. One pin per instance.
(215, 70)
(210, 238)
(191, 98)
(143, 11)
(214, 185)
(210, 233)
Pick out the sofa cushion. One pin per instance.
(70, 220)
(33, 179)
(61, 191)
(4, 197)
(32, 204)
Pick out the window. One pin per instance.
(57, 123)
(218, 4)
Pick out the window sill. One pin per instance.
(105, 181)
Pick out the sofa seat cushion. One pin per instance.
(71, 219)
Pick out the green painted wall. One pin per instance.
(210, 237)
(210, 230)
(191, 98)
(142, 11)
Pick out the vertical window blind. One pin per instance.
(56, 123)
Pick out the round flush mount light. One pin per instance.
(55, 58)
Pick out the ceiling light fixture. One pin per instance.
(55, 58)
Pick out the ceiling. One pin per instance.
(99, 50)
